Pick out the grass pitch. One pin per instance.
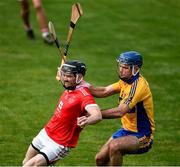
(29, 91)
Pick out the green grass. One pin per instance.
(29, 91)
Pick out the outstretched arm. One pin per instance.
(116, 112)
(102, 91)
(95, 91)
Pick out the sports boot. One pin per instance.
(48, 39)
(30, 34)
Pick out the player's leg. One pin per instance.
(41, 17)
(38, 160)
(25, 12)
(120, 146)
(102, 157)
(31, 152)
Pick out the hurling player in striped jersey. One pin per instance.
(135, 110)
(75, 109)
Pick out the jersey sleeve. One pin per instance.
(116, 86)
(87, 98)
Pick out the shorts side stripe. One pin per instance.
(145, 142)
(35, 147)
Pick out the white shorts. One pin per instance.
(48, 148)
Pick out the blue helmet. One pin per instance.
(130, 58)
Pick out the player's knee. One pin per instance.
(99, 160)
(114, 147)
(38, 7)
(37, 4)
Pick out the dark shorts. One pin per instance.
(144, 139)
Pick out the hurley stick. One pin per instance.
(53, 34)
(76, 13)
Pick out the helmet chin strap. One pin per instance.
(134, 76)
(79, 78)
(133, 71)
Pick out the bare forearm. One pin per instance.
(88, 120)
(102, 91)
(111, 113)
(93, 119)
(98, 91)
(116, 112)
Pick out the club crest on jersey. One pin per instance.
(71, 100)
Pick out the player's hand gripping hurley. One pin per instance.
(76, 13)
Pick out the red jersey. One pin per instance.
(62, 127)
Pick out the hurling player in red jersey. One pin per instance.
(76, 109)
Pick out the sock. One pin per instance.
(44, 34)
(28, 28)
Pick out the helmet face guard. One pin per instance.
(67, 68)
(133, 59)
(76, 68)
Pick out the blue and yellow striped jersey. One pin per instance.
(138, 97)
